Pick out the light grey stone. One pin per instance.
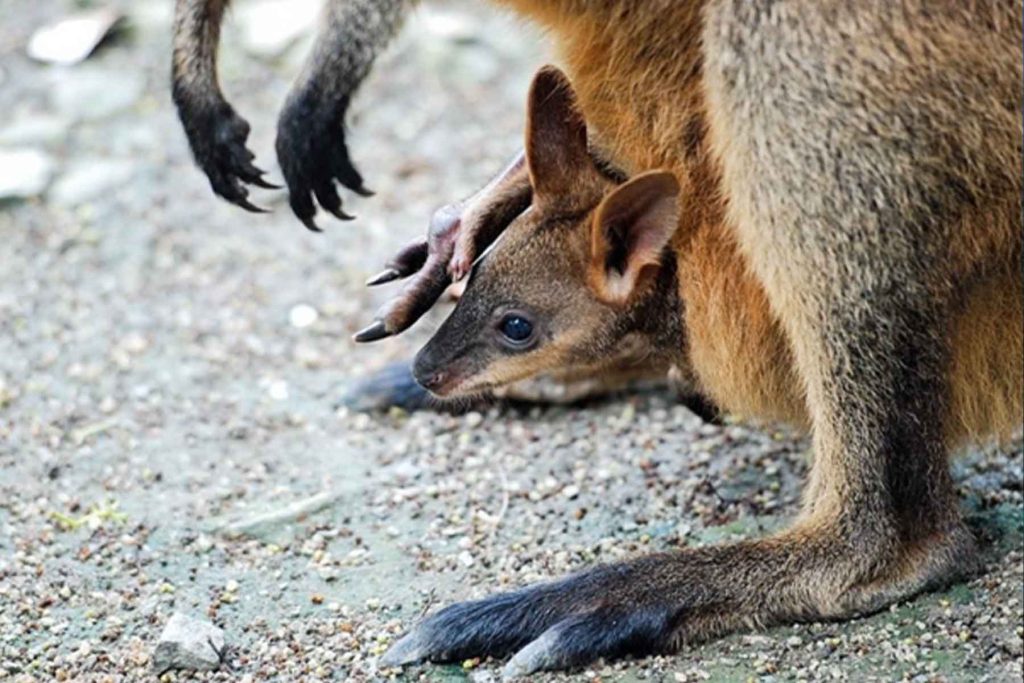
(90, 180)
(88, 93)
(24, 173)
(189, 643)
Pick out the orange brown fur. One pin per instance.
(738, 353)
(988, 359)
(619, 63)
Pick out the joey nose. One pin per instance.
(426, 373)
(431, 381)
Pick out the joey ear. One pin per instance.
(631, 228)
(556, 134)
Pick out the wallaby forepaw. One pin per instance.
(217, 136)
(425, 263)
(313, 155)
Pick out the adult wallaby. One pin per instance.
(596, 266)
(862, 163)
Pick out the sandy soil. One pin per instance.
(161, 415)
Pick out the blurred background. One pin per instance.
(170, 369)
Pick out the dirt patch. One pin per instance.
(168, 436)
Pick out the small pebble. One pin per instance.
(302, 316)
(189, 643)
(24, 173)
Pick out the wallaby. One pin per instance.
(849, 180)
(856, 270)
(595, 265)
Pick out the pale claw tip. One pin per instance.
(406, 650)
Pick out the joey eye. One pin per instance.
(516, 328)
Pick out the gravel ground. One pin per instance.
(170, 366)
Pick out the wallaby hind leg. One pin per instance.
(879, 524)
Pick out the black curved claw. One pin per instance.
(313, 155)
(372, 332)
(248, 172)
(250, 207)
(408, 260)
(232, 190)
(303, 207)
(327, 195)
(258, 181)
(342, 166)
(386, 275)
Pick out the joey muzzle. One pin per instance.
(434, 370)
(447, 360)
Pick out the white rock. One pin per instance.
(89, 180)
(73, 38)
(188, 643)
(35, 129)
(89, 93)
(24, 173)
(278, 390)
(302, 315)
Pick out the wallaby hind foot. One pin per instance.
(823, 569)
